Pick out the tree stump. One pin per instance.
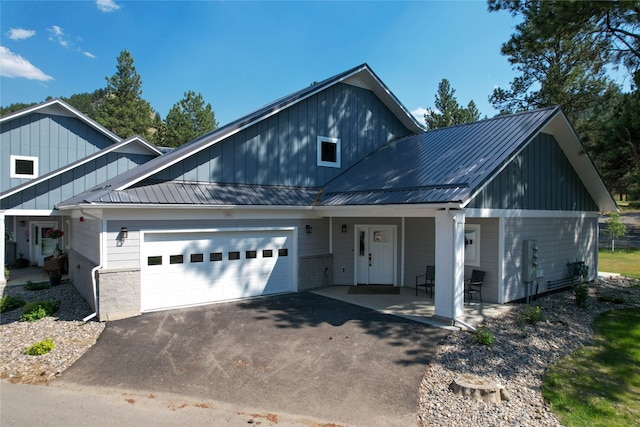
(478, 388)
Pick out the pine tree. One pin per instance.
(188, 119)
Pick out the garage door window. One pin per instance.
(251, 254)
(234, 255)
(283, 252)
(215, 256)
(176, 259)
(154, 260)
(197, 257)
(267, 253)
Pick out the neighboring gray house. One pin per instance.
(337, 184)
(50, 153)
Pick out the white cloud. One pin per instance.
(57, 35)
(419, 113)
(13, 65)
(107, 6)
(20, 33)
(88, 54)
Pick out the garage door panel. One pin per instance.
(230, 265)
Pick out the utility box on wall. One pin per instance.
(529, 261)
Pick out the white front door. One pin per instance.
(375, 254)
(41, 246)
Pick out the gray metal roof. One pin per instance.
(443, 165)
(181, 193)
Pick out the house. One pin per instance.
(50, 153)
(337, 184)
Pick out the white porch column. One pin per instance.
(3, 281)
(449, 289)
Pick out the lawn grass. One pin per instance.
(599, 385)
(624, 262)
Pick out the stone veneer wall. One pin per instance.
(315, 272)
(118, 293)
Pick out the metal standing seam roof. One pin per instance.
(197, 193)
(439, 166)
(362, 72)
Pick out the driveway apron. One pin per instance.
(296, 353)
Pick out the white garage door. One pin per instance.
(188, 268)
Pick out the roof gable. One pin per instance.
(359, 76)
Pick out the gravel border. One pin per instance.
(71, 336)
(522, 353)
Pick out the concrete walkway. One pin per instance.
(417, 308)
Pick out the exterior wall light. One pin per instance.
(124, 233)
(308, 228)
(344, 228)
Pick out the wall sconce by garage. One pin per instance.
(344, 228)
(22, 223)
(308, 228)
(124, 233)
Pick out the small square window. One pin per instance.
(197, 257)
(267, 253)
(234, 255)
(251, 254)
(176, 259)
(24, 167)
(328, 152)
(215, 256)
(283, 252)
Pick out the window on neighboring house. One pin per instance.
(328, 152)
(24, 167)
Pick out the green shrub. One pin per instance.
(36, 310)
(612, 299)
(582, 295)
(531, 315)
(484, 336)
(30, 286)
(40, 348)
(9, 302)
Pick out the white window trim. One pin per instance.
(472, 252)
(14, 158)
(336, 141)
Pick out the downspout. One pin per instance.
(95, 269)
(453, 256)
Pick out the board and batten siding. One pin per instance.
(127, 254)
(55, 140)
(46, 194)
(560, 240)
(539, 178)
(282, 149)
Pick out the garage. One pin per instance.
(185, 268)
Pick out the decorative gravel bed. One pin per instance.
(522, 353)
(71, 336)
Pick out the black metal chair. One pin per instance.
(429, 281)
(474, 284)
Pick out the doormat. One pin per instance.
(372, 289)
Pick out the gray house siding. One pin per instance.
(559, 240)
(420, 247)
(50, 192)
(84, 254)
(281, 150)
(489, 257)
(539, 178)
(55, 140)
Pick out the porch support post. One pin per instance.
(3, 281)
(449, 289)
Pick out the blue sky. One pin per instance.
(241, 55)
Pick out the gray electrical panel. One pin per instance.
(529, 261)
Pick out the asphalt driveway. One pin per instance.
(297, 353)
